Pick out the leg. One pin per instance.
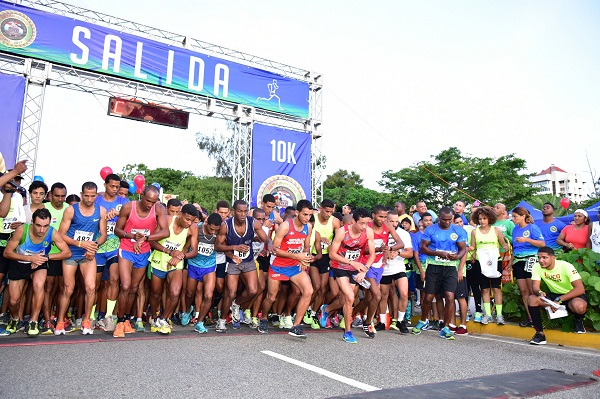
(175, 282)
(272, 290)
(209, 281)
(123, 303)
(15, 289)
(88, 272)
(302, 281)
(524, 288)
(68, 287)
(347, 291)
(262, 286)
(39, 278)
(156, 291)
(231, 280)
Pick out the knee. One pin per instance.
(579, 307)
(207, 297)
(532, 300)
(317, 286)
(90, 290)
(252, 291)
(271, 297)
(349, 299)
(309, 291)
(68, 289)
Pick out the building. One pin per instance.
(558, 182)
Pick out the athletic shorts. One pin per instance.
(375, 272)
(283, 273)
(389, 279)
(140, 261)
(322, 264)
(4, 263)
(244, 267)
(162, 274)
(76, 262)
(106, 268)
(419, 284)
(411, 280)
(461, 289)
(23, 271)
(486, 282)
(440, 279)
(197, 273)
(55, 268)
(553, 295)
(106, 258)
(519, 269)
(221, 270)
(264, 262)
(339, 273)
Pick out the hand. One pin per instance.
(236, 259)
(361, 268)
(137, 247)
(521, 239)
(89, 246)
(241, 248)
(89, 256)
(452, 256)
(111, 214)
(278, 219)
(271, 248)
(422, 277)
(15, 225)
(392, 254)
(172, 262)
(139, 237)
(304, 265)
(359, 277)
(20, 167)
(263, 253)
(177, 254)
(460, 276)
(38, 260)
(268, 223)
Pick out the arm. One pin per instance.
(122, 219)
(193, 242)
(5, 203)
(371, 244)
(399, 242)
(162, 230)
(318, 247)
(65, 252)
(103, 235)
(19, 168)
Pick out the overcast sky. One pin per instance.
(403, 81)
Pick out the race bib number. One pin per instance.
(205, 249)
(378, 242)
(6, 224)
(295, 250)
(110, 228)
(324, 246)
(532, 260)
(391, 241)
(241, 255)
(440, 259)
(142, 231)
(352, 255)
(83, 235)
(171, 246)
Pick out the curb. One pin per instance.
(587, 340)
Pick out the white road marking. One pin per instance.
(539, 346)
(318, 370)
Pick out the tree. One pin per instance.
(438, 183)
(344, 179)
(220, 148)
(359, 197)
(206, 191)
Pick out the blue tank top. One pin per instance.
(83, 228)
(112, 241)
(27, 247)
(207, 257)
(233, 238)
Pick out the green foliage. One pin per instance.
(513, 308)
(359, 197)
(490, 180)
(343, 179)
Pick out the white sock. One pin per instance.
(451, 325)
(382, 318)
(401, 315)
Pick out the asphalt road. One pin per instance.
(244, 363)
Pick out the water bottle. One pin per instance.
(365, 283)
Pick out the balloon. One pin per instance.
(139, 181)
(38, 178)
(155, 184)
(565, 202)
(105, 171)
(140, 190)
(131, 187)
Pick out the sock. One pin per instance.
(93, 313)
(488, 308)
(451, 325)
(196, 314)
(312, 313)
(401, 315)
(382, 318)
(121, 319)
(101, 315)
(463, 326)
(498, 310)
(110, 307)
(138, 319)
(536, 318)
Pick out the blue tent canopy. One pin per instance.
(592, 213)
(535, 213)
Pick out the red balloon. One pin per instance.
(139, 181)
(140, 190)
(105, 171)
(565, 202)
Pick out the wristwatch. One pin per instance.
(558, 300)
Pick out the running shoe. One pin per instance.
(526, 323)
(22, 324)
(297, 332)
(139, 326)
(119, 331)
(221, 327)
(208, 321)
(538, 339)
(446, 334)
(394, 325)
(452, 328)
(288, 323)
(127, 327)
(342, 324)
(380, 327)
(165, 327)
(3, 332)
(274, 320)
(60, 328)
(235, 312)
(324, 316)
(12, 326)
(462, 330)
(403, 328)
(86, 327)
(263, 326)
(435, 325)
(307, 319)
(200, 329)
(349, 337)
(357, 322)
(186, 316)
(254, 323)
(369, 330)
(77, 325)
(500, 320)
(314, 324)
(155, 326)
(441, 325)
(236, 325)
(335, 320)
(48, 328)
(421, 325)
(282, 321)
(579, 327)
(4, 318)
(469, 314)
(247, 316)
(478, 317)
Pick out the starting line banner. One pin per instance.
(62, 40)
(280, 165)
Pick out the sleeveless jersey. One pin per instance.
(379, 239)
(351, 249)
(174, 242)
(134, 224)
(29, 248)
(207, 257)
(486, 242)
(326, 231)
(55, 219)
(112, 241)
(16, 213)
(293, 243)
(233, 238)
(83, 228)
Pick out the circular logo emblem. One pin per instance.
(553, 229)
(45, 243)
(489, 262)
(454, 236)
(284, 188)
(17, 30)
(526, 233)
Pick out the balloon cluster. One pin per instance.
(135, 186)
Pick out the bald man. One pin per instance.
(502, 222)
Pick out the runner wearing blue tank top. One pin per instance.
(235, 240)
(83, 228)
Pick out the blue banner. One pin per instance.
(280, 165)
(12, 95)
(62, 40)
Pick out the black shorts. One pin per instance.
(339, 273)
(322, 264)
(387, 280)
(4, 263)
(221, 270)
(461, 289)
(553, 295)
(440, 279)
(55, 268)
(486, 282)
(419, 284)
(263, 263)
(23, 271)
(106, 270)
(519, 269)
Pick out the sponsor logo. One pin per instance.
(17, 30)
(286, 189)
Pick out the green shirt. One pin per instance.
(558, 279)
(56, 218)
(506, 227)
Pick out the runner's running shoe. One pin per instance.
(297, 332)
(421, 326)
(200, 329)
(446, 334)
(349, 337)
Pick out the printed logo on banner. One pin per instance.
(17, 30)
(285, 188)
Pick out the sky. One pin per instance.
(403, 80)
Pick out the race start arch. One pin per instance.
(54, 43)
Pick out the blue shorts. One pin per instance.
(140, 261)
(106, 258)
(376, 273)
(198, 273)
(284, 273)
(162, 275)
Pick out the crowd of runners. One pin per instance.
(98, 261)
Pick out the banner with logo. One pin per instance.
(12, 96)
(63, 40)
(280, 165)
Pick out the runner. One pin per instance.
(222, 208)
(123, 189)
(37, 192)
(550, 227)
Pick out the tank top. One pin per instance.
(112, 241)
(29, 248)
(207, 257)
(233, 238)
(55, 219)
(576, 237)
(351, 249)
(293, 243)
(16, 213)
(134, 224)
(486, 241)
(379, 239)
(174, 242)
(595, 237)
(83, 228)
(326, 231)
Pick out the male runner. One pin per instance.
(550, 226)
(123, 189)
(223, 210)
